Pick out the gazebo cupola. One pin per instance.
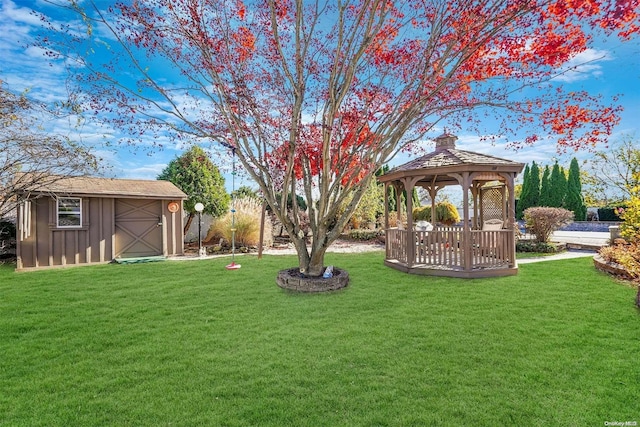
(445, 142)
(484, 243)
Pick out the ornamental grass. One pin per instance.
(247, 224)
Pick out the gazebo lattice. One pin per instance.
(484, 244)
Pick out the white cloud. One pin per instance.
(583, 66)
(139, 170)
(19, 15)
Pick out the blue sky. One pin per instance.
(613, 68)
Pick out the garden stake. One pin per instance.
(233, 265)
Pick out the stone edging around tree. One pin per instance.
(293, 280)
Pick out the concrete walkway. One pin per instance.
(564, 255)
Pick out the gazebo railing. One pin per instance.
(441, 246)
(492, 248)
(444, 247)
(396, 244)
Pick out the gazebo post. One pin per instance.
(481, 218)
(476, 193)
(433, 192)
(466, 231)
(503, 199)
(398, 193)
(433, 189)
(411, 247)
(387, 234)
(409, 185)
(386, 205)
(511, 222)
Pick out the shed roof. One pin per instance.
(110, 187)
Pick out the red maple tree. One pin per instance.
(314, 96)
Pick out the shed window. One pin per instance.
(69, 212)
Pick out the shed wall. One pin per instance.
(93, 242)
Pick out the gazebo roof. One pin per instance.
(452, 157)
(447, 159)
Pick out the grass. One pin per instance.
(190, 343)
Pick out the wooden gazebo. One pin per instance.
(483, 245)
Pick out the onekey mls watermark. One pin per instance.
(621, 423)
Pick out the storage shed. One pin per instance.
(86, 220)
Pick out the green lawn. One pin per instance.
(192, 344)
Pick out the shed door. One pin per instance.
(138, 228)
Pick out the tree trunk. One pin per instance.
(188, 224)
(310, 264)
(316, 262)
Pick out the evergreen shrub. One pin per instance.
(610, 213)
(538, 247)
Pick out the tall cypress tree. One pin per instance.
(390, 191)
(534, 178)
(573, 200)
(524, 193)
(530, 195)
(562, 185)
(545, 187)
(558, 187)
